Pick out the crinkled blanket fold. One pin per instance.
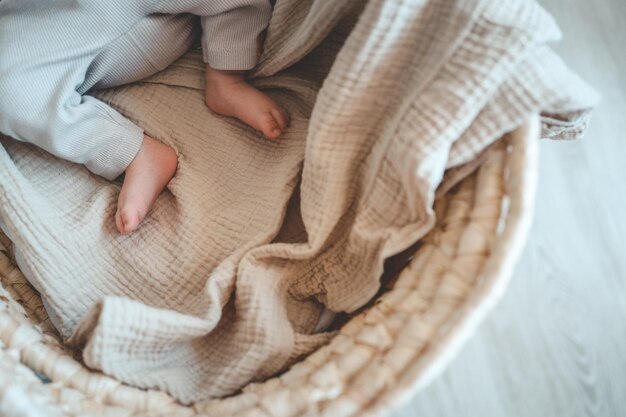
(226, 279)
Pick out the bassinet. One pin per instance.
(377, 360)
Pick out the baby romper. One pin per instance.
(53, 52)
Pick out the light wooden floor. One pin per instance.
(556, 345)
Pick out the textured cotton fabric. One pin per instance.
(226, 278)
(52, 52)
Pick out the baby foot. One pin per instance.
(229, 94)
(146, 176)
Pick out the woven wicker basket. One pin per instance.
(378, 359)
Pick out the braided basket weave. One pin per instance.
(377, 360)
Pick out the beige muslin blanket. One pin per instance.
(226, 279)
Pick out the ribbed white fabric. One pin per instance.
(227, 276)
(51, 53)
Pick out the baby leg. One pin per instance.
(231, 44)
(42, 103)
(151, 45)
(86, 131)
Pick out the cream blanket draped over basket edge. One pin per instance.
(227, 277)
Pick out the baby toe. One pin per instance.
(128, 221)
(118, 222)
(281, 117)
(270, 127)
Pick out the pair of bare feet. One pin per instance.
(226, 93)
